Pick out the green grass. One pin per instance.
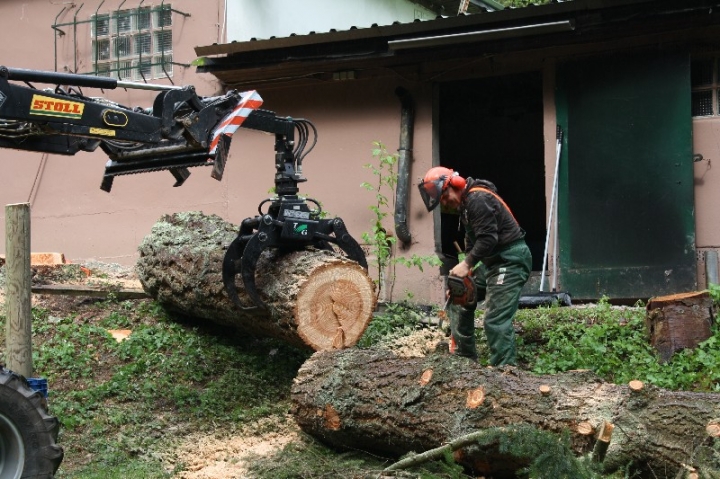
(125, 404)
(121, 403)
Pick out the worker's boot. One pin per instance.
(463, 332)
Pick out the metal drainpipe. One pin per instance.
(711, 266)
(407, 120)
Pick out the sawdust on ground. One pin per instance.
(215, 456)
(211, 456)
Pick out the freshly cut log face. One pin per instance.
(315, 299)
(329, 304)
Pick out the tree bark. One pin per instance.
(375, 401)
(315, 299)
(679, 321)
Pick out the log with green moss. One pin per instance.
(315, 299)
(373, 400)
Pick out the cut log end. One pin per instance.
(636, 386)
(332, 418)
(605, 434)
(426, 377)
(475, 398)
(334, 306)
(713, 429)
(584, 428)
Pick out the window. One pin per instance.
(133, 44)
(705, 81)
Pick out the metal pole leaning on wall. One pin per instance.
(711, 266)
(17, 289)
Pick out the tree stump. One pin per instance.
(315, 299)
(373, 400)
(678, 321)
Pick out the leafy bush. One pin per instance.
(613, 342)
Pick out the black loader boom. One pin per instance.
(181, 130)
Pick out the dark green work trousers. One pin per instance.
(499, 281)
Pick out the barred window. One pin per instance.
(705, 82)
(134, 44)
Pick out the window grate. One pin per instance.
(705, 83)
(133, 44)
(702, 103)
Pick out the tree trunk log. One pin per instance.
(316, 299)
(376, 401)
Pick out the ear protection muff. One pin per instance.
(457, 181)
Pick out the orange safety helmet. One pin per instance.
(435, 182)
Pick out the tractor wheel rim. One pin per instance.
(12, 450)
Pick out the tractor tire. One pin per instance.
(27, 432)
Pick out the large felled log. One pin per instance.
(376, 401)
(315, 299)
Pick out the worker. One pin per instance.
(495, 254)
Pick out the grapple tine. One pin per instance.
(248, 263)
(348, 244)
(230, 270)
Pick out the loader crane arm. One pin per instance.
(181, 130)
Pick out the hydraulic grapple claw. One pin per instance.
(248, 264)
(230, 269)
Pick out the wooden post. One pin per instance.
(18, 295)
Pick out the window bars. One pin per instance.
(128, 44)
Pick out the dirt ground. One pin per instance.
(203, 456)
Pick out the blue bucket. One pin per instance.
(39, 384)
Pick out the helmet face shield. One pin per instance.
(431, 191)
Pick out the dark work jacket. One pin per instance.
(489, 225)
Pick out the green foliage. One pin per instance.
(714, 290)
(381, 242)
(119, 402)
(394, 320)
(549, 455)
(522, 3)
(309, 459)
(122, 403)
(377, 238)
(128, 468)
(613, 343)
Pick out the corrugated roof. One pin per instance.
(477, 16)
(530, 27)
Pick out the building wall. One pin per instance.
(71, 215)
(253, 19)
(706, 132)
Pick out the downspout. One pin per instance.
(407, 121)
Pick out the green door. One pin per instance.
(626, 226)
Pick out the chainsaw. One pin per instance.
(461, 291)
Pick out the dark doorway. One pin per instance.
(492, 128)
